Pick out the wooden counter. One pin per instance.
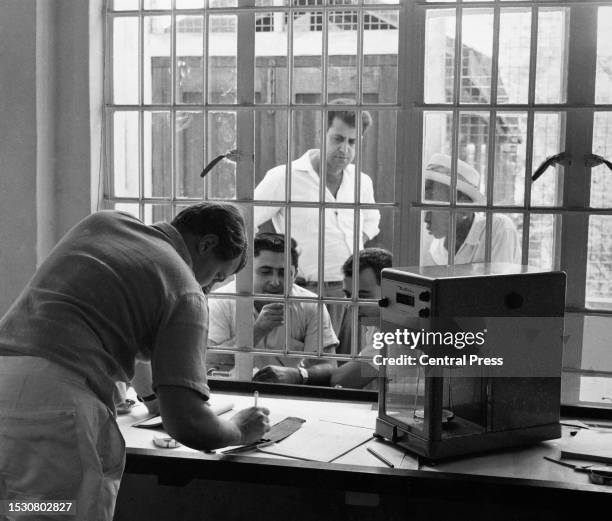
(500, 485)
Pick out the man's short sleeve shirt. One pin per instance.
(113, 289)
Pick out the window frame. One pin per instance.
(578, 108)
(575, 210)
(245, 109)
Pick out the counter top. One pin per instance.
(521, 468)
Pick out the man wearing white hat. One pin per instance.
(470, 226)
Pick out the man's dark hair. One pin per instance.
(375, 258)
(348, 116)
(275, 242)
(220, 219)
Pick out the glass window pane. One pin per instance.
(507, 237)
(543, 232)
(548, 136)
(189, 60)
(439, 56)
(345, 329)
(378, 149)
(156, 59)
(476, 52)
(270, 149)
(222, 3)
(596, 355)
(342, 55)
(474, 151)
(305, 231)
(506, 230)
(125, 5)
(189, 4)
(434, 229)
(305, 153)
(154, 213)
(222, 313)
(125, 154)
(306, 342)
(551, 55)
(157, 4)
(437, 134)
(125, 61)
(603, 76)
(387, 224)
(189, 143)
(599, 263)
(514, 50)
(596, 389)
(221, 137)
(271, 73)
(270, 3)
(157, 154)
(270, 219)
(379, 82)
(601, 176)
(307, 56)
(339, 236)
(510, 153)
(222, 56)
(131, 208)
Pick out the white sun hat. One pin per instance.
(468, 179)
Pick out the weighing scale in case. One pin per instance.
(443, 411)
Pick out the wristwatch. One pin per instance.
(304, 374)
(145, 399)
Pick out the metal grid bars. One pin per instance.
(182, 86)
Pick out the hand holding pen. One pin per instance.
(252, 422)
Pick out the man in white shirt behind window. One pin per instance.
(340, 143)
(270, 318)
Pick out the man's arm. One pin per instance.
(313, 371)
(179, 378)
(270, 317)
(189, 419)
(143, 385)
(353, 374)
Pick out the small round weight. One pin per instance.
(446, 415)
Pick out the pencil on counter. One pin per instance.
(380, 457)
(255, 396)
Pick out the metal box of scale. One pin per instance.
(514, 313)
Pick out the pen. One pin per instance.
(255, 396)
(381, 458)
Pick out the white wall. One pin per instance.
(18, 159)
(47, 137)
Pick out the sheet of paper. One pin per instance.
(320, 441)
(589, 444)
